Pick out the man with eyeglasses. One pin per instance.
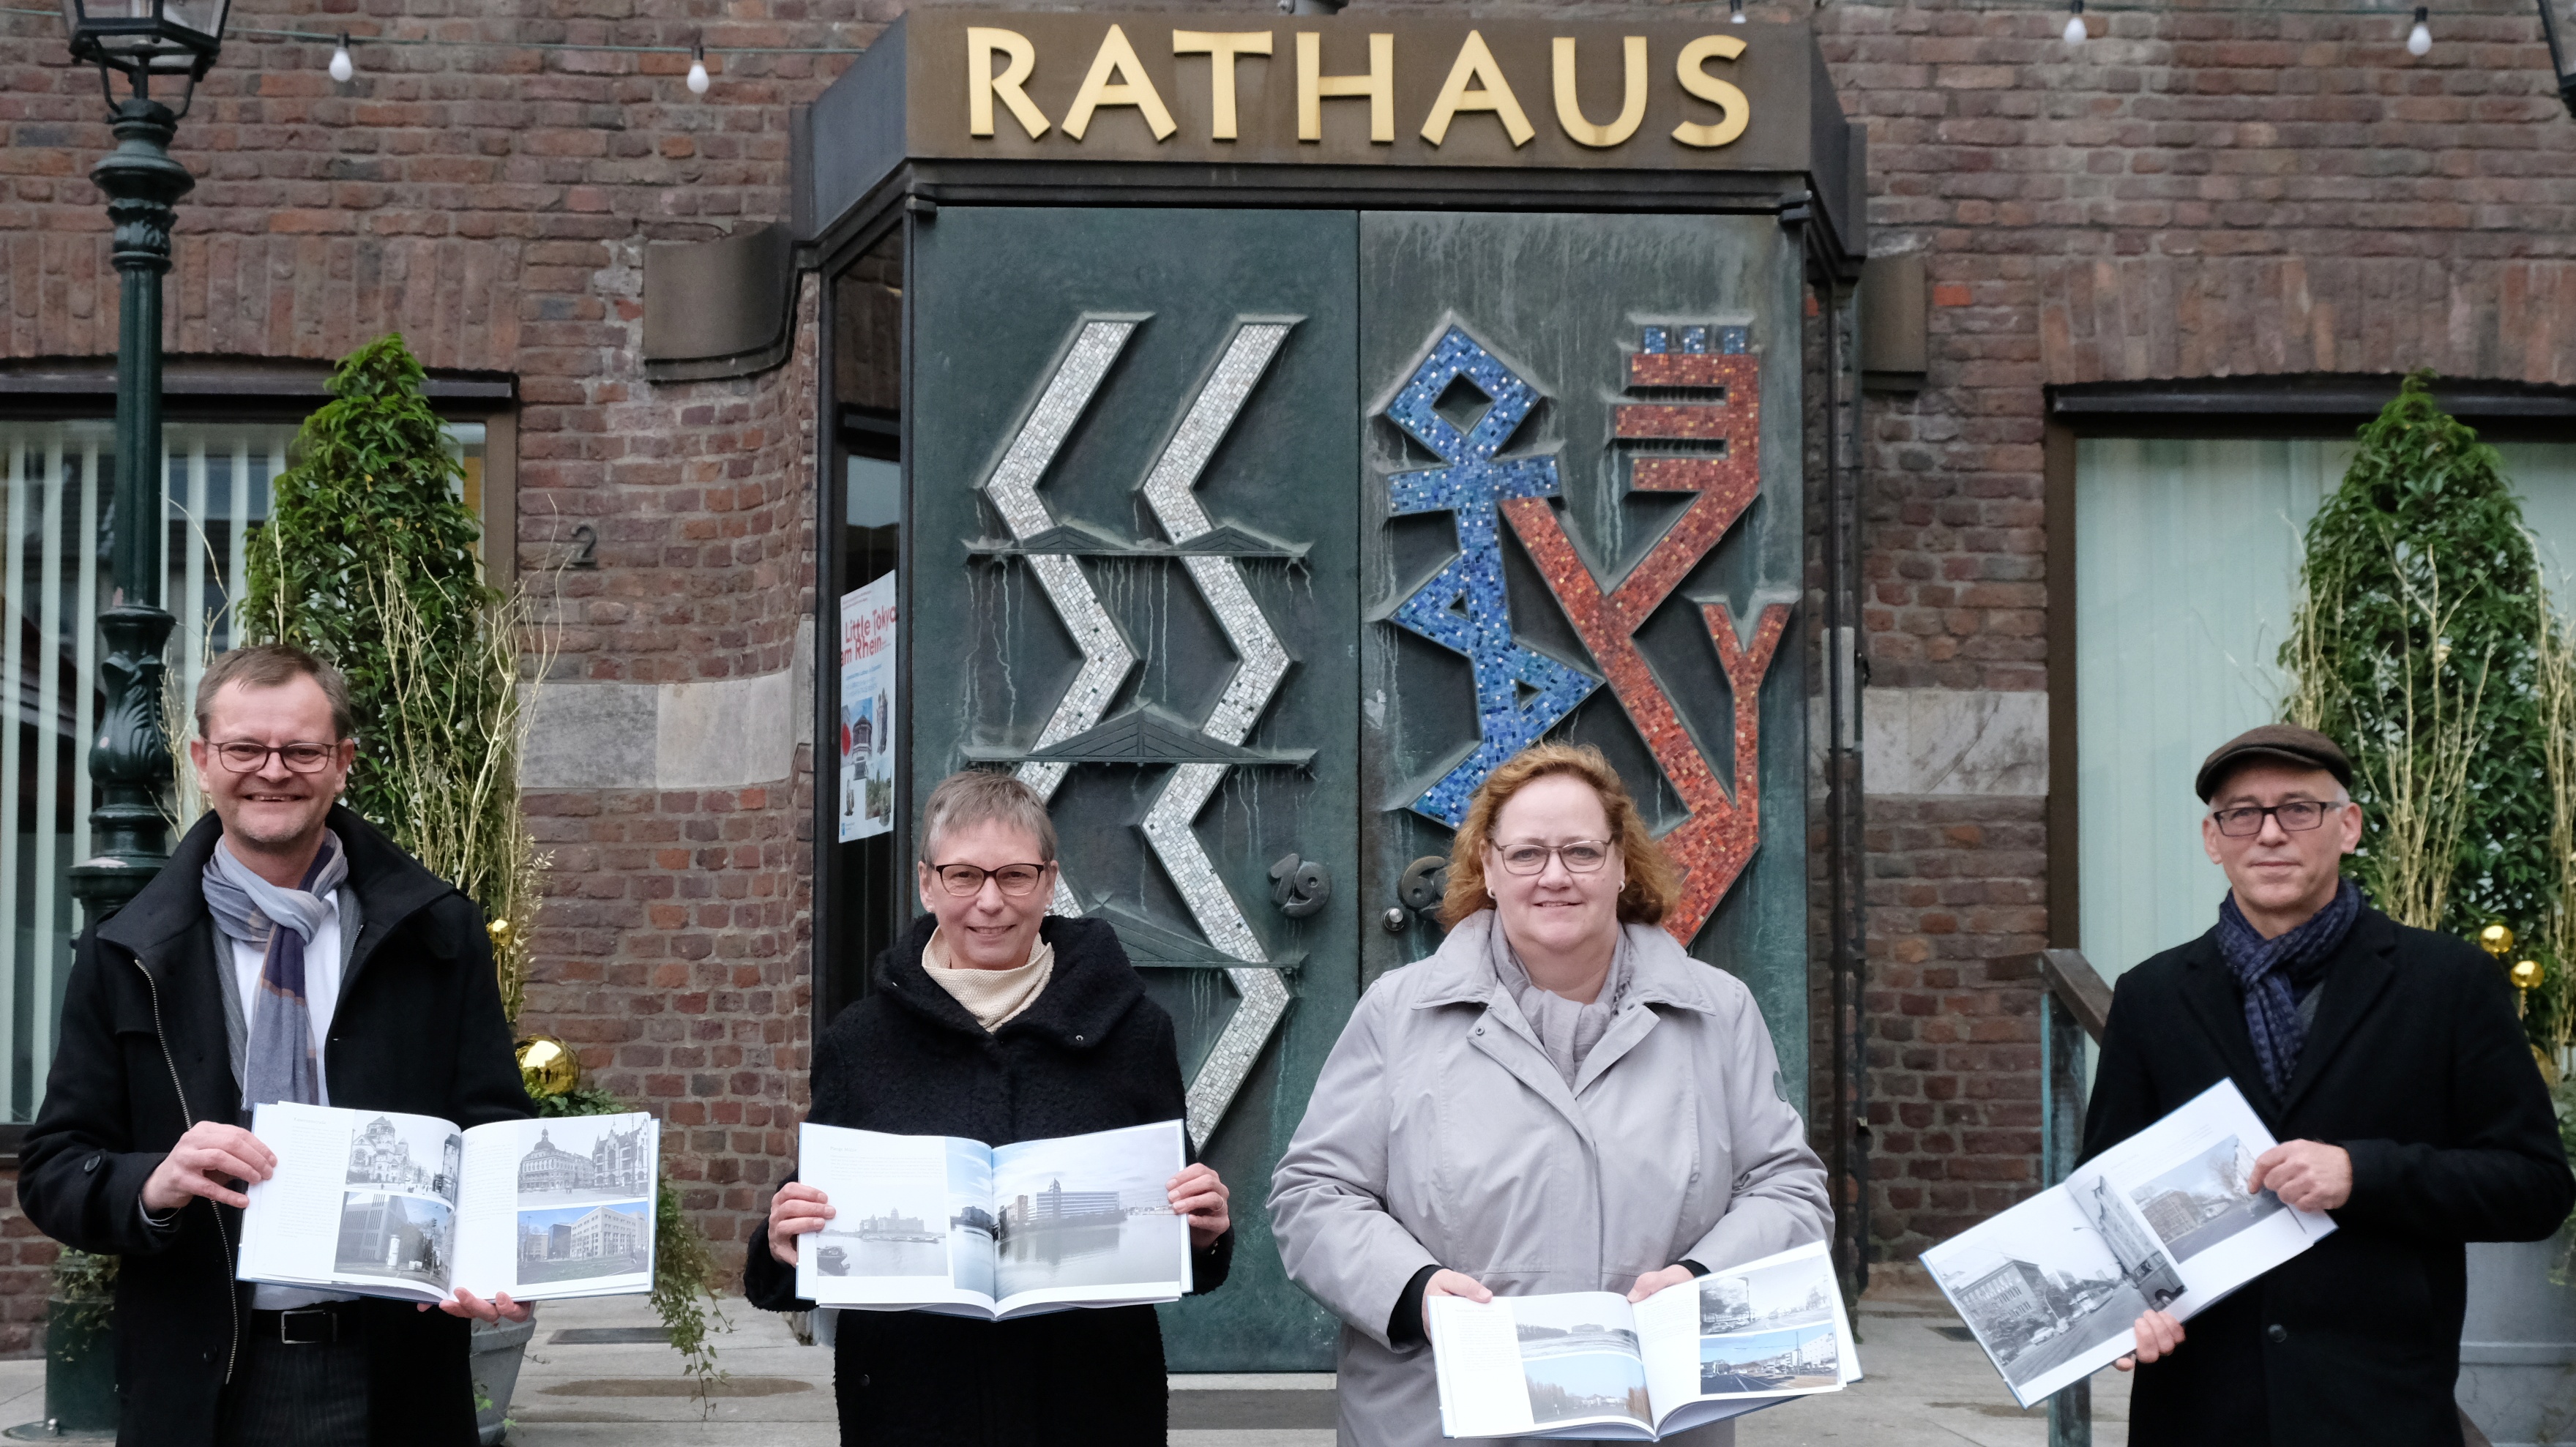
(2388, 1063)
(287, 952)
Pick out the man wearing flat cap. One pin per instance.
(2388, 1063)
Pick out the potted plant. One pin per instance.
(2425, 643)
(80, 1347)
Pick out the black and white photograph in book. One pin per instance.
(1785, 1359)
(406, 1153)
(579, 1243)
(404, 1237)
(1086, 1211)
(575, 1160)
(1792, 1293)
(2040, 1296)
(2203, 1201)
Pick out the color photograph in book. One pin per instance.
(1085, 1211)
(888, 1222)
(1768, 1330)
(1576, 1364)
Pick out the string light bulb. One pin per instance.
(2075, 31)
(1735, 12)
(342, 67)
(2419, 41)
(698, 70)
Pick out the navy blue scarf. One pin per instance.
(2276, 973)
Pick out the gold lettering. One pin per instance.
(1569, 106)
(1221, 47)
(981, 84)
(1314, 87)
(1709, 88)
(1130, 88)
(1492, 93)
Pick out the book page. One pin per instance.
(362, 1200)
(2053, 1287)
(1088, 1219)
(911, 1224)
(562, 1206)
(1563, 1365)
(2179, 1186)
(1751, 1335)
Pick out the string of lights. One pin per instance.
(2419, 39)
(344, 66)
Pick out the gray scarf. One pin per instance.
(1566, 1031)
(278, 1062)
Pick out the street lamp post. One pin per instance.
(172, 41)
(2557, 56)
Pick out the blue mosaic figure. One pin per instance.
(1463, 607)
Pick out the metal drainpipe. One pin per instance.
(1844, 807)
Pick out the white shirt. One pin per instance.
(321, 996)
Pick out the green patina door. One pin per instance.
(1254, 539)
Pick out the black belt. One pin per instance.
(320, 1324)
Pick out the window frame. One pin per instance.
(261, 392)
(2264, 407)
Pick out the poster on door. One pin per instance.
(867, 710)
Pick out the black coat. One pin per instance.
(1090, 1054)
(417, 1028)
(2418, 1068)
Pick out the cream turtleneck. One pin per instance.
(993, 997)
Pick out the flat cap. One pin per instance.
(2284, 743)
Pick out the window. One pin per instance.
(2186, 555)
(57, 488)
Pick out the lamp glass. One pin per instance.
(160, 35)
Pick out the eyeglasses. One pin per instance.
(243, 757)
(2297, 816)
(1582, 856)
(966, 880)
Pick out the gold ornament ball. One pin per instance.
(499, 929)
(2525, 974)
(547, 1065)
(2496, 939)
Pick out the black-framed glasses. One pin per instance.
(2298, 816)
(967, 880)
(242, 757)
(1581, 856)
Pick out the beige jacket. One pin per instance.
(1440, 1134)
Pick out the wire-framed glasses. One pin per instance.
(1582, 856)
(2297, 816)
(964, 880)
(242, 756)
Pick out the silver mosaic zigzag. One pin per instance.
(1263, 662)
(1107, 658)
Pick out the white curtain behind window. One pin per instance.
(2185, 555)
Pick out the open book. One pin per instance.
(936, 1223)
(2162, 1221)
(1588, 1365)
(385, 1204)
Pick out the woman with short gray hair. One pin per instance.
(995, 1021)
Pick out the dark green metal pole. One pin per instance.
(131, 759)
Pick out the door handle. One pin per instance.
(1299, 886)
(1419, 889)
